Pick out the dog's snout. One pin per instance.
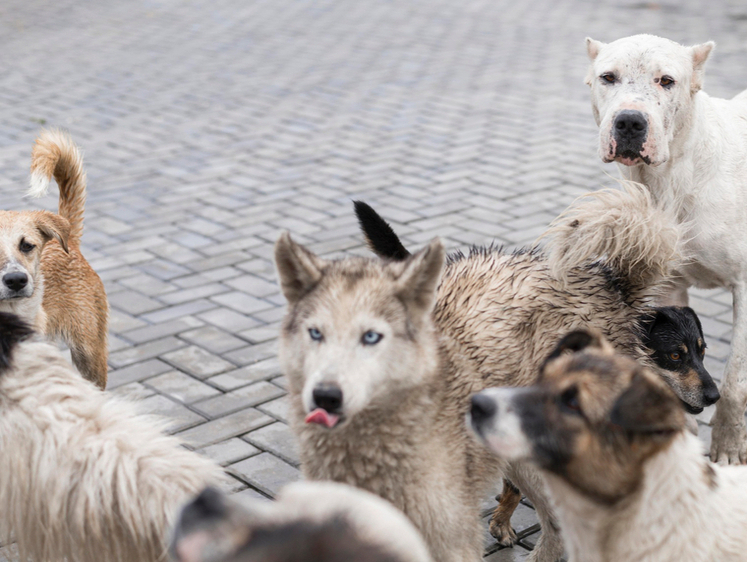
(328, 397)
(630, 123)
(16, 280)
(482, 408)
(711, 395)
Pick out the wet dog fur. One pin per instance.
(382, 356)
(83, 476)
(45, 278)
(628, 480)
(308, 522)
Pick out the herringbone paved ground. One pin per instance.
(209, 126)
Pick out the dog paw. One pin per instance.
(503, 532)
(728, 441)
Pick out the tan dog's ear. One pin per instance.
(299, 270)
(700, 56)
(54, 226)
(648, 405)
(417, 283)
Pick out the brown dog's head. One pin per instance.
(23, 235)
(593, 418)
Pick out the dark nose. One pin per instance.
(630, 124)
(483, 408)
(711, 394)
(15, 281)
(328, 397)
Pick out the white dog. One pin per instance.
(691, 152)
(83, 477)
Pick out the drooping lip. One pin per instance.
(691, 409)
(323, 417)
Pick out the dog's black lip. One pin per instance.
(691, 409)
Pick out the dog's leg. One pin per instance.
(500, 522)
(729, 437)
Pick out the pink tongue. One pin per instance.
(322, 417)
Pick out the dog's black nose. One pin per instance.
(16, 280)
(711, 394)
(483, 408)
(630, 124)
(328, 397)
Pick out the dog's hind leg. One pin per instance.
(500, 522)
(729, 436)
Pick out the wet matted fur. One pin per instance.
(308, 522)
(628, 480)
(83, 476)
(488, 320)
(59, 293)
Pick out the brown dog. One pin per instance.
(45, 278)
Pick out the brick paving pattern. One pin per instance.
(211, 126)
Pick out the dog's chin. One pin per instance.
(694, 410)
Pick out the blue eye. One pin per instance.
(315, 334)
(371, 338)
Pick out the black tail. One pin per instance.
(12, 330)
(379, 235)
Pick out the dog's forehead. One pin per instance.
(646, 53)
(16, 224)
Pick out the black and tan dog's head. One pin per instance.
(23, 235)
(674, 338)
(593, 418)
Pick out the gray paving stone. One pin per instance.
(262, 370)
(225, 428)
(179, 417)
(277, 439)
(138, 372)
(266, 472)
(230, 451)
(198, 362)
(213, 339)
(244, 397)
(181, 387)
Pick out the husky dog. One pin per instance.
(690, 150)
(83, 477)
(309, 522)
(628, 481)
(383, 356)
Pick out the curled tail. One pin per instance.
(379, 235)
(55, 154)
(624, 229)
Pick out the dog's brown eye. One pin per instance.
(675, 356)
(666, 81)
(25, 247)
(569, 399)
(608, 77)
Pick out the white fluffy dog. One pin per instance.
(690, 150)
(83, 477)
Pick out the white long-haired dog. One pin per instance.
(83, 476)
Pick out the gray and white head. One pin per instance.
(23, 236)
(309, 522)
(593, 418)
(358, 332)
(641, 90)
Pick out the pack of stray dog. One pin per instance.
(418, 382)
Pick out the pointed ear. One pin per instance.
(299, 270)
(54, 226)
(417, 283)
(700, 56)
(593, 47)
(648, 405)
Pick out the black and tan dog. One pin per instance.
(628, 480)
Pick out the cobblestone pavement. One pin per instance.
(209, 126)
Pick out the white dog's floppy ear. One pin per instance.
(418, 282)
(700, 56)
(298, 269)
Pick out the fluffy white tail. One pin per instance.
(639, 240)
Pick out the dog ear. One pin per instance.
(51, 225)
(574, 342)
(418, 282)
(593, 47)
(298, 269)
(700, 56)
(12, 330)
(648, 405)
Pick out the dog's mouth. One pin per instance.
(322, 417)
(691, 409)
(629, 158)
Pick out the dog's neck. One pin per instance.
(674, 498)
